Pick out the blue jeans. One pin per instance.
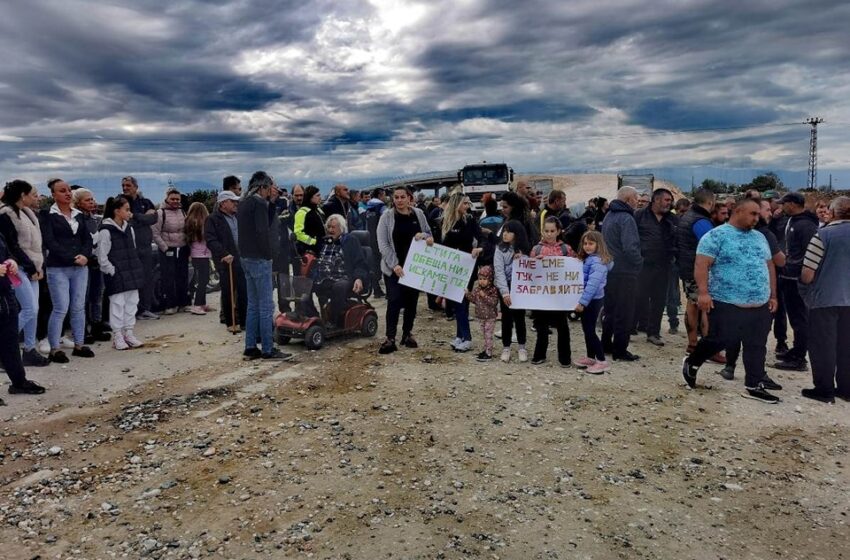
(27, 295)
(259, 318)
(461, 311)
(67, 285)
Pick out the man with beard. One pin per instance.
(736, 284)
(657, 243)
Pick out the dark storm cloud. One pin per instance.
(660, 66)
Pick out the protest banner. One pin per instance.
(548, 284)
(437, 269)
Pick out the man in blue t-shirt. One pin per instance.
(736, 286)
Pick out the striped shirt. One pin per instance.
(815, 251)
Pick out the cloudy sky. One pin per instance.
(191, 89)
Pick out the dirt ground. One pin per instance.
(181, 450)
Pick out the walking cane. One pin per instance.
(233, 328)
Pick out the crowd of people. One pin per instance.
(747, 266)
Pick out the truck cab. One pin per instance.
(480, 178)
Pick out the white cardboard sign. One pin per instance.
(548, 283)
(437, 270)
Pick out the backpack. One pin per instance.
(565, 251)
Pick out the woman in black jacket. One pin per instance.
(68, 248)
(460, 231)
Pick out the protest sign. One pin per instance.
(437, 269)
(549, 284)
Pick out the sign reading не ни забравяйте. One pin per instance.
(437, 269)
(547, 283)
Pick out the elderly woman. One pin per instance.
(341, 269)
(19, 225)
(68, 248)
(169, 234)
(96, 329)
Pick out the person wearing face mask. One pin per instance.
(169, 234)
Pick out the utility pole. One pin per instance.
(813, 152)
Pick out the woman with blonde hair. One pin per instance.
(460, 231)
(96, 328)
(196, 217)
(597, 262)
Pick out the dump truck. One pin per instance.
(480, 178)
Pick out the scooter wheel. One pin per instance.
(314, 337)
(370, 326)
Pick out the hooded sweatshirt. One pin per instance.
(486, 300)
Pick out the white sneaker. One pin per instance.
(464, 346)
(506, 355)
(67, 342)
(44, 346)
(457, 340)
(131, 339)
(170, 311)
(523, 355)
(197, 310)
(118, 341)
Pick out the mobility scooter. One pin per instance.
(358, 318)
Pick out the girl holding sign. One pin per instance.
(460, 231)
(597, 262)
(396, 229)
(514, 245)
(551, 246)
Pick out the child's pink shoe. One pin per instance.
(584, 362)
(599, 368)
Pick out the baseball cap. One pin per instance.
(226, 195)
(796, 198)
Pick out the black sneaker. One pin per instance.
(388, 347)
(31, 358)
(26, 388)
(760, 394)
(792, 365)
(408, 341)
(781, 349)
(252, 354)
(538, 361)
(82, 352)
(770, 384)
(843, 397)
(674, 329)
(276, 355)
(626, 357)
(483, 357)
(818, 395)
(728, 373)
(689, 373)
(58, 357)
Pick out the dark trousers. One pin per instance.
(338, 293)
(829, 349)
(557, 320)
(780, 318)
(146, 292)
(651, 298)
(400, 298)
(674, 296)
(588, 324)
(94, 297)
(798, 316)
(619, 312)
(201, 267)
(432, 302)
(45, 309)
(461, 314)
(241, 292)
(512, 318)
(174, 277)
(10, 353)
(376, 273)
(729, 325)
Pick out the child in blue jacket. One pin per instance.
(597, 263)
